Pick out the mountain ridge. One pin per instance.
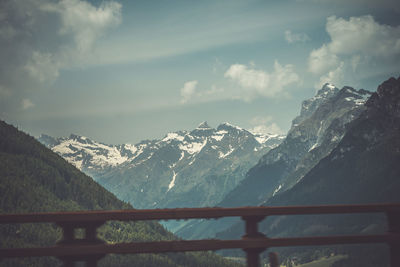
(314, 133)
(35, 179)
(191, 165)
(363, 168)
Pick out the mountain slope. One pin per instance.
(362, 168)
(312, 136)
(183, 169)
(365, 162)
(314, 133)
(34, 179)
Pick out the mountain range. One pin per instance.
(314, 133)
(184, 169)
(343, 148)
(35, 179)
(362, 168)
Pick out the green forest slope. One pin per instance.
(34, 179)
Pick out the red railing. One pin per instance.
(91, 249)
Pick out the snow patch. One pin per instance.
(277, 190)
(131, 148)
(232, 126)
(172, 183)
(314, 146)
(222, 155)
(217, 137)
(173, 136)
(192, 148)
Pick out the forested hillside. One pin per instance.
(34, 179)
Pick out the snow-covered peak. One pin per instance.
(81, 151)
(203, 125)
(173, 136)
(89, 155)
(263, 138)
(329, 86)
(227, 126)
(326, 91)
(310, 105)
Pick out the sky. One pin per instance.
(124, 71)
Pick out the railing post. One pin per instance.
(89, 239)
(253, 254)
(394, 229)
(273, 259)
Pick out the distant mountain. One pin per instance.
(318, 129)
(183, 169)
(362, 168)
(314, 133)
(35, 179)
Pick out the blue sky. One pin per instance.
(124, 71)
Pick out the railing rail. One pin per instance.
(91, 249)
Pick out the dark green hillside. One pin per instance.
(34, 179)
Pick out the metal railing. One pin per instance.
(90, 249)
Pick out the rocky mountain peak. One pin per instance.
(203, 125)
(203, 130)
(228, 127)
(387, 98)
(310, 105)
(327, 88)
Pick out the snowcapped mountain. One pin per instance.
(90, 156)
(185, 168)
(314, 133)
(318, 129)
(362, 168)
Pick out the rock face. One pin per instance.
(314, 133)
(312, 136)
(362, 168)
(183, 169)
(365, 164)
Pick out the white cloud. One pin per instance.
(248, 78)
(261, 83)
(362, 35)
(212, 92)
(83, 21)
(26, 104)
(296, 37)
(272, 128)
(188, 91)
(43, 67)
(332, 75)
(41, 37)
(358, 45)
(321, 60)
(265, 125)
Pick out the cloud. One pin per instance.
(26, 104)
(261, 83)
(296, 37)
(43, 67)
(188, 91)
(4, 92)
(39, 38)
(348, 4)
(358, 45)
(265, 125)
(332, 75)
(321, 60)
(83, 21)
